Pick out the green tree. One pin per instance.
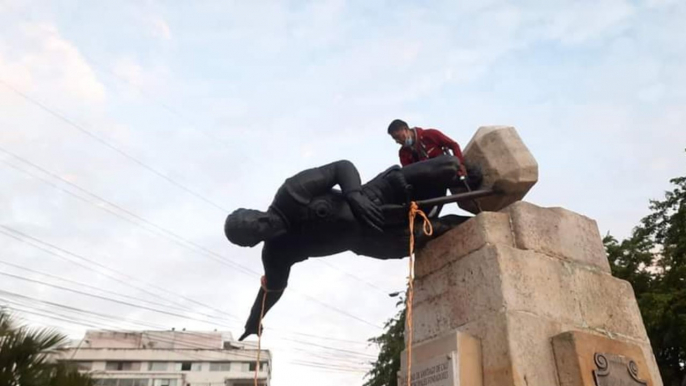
(25, 354)
(653, 260)
(391, 343)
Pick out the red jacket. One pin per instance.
(429, 143)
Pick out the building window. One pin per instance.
(220, 366)
(165, 382)
(189, 366)
(123, 366)
(158, 366)
(133, 382)
(106, 382)
(263, 366)
(122, 382)
(84, 366)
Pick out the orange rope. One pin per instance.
(263, 283)
(428, 230)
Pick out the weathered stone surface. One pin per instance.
(650, 362)
(431, 319)
(506, 163)
(529, 345)
(463, 348)
(452, 290)
(557, 232)
(608, 304)
(485, 228)
(538, 284)
(568, 292)
(492, 331)
(575, 359)
(498, 276)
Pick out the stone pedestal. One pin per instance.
(517, 278)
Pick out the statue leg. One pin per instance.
(394, 242)
(436, 172)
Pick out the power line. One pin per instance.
(177, 342)
(153, 170)
(100, 289)
(111, 146)
(106, 298)
(175, 236)
(38, 244)
(186, 317)
(163, 232)
(142, 164)
(317, 301)
(354, 277)
(279, 331)
(163, 105)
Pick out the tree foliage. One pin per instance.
(25, 357)
(653, 260)
(391, 343)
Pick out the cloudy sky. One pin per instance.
(129, 129)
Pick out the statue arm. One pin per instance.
(277, 269)
(311, 183)
(316, 181)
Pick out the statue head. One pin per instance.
(248, 227)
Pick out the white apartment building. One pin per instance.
(168, 358)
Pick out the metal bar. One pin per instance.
(447, 199)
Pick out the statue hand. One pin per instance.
(249, 330)
(365, 210)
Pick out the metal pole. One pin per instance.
(447, 199)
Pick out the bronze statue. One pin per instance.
(308, 218)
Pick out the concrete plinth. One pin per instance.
(515, 279)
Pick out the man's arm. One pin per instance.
(445, 141)
(405, 157)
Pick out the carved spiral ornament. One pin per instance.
(601, 361)
(633, 368)
(616, 370)
(633, 371)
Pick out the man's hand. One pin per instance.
(463, 171)
(365, 210)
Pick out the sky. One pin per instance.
(130, 129)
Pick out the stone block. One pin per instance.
(491, 330)
(529, 347)
(581, 357)
(568, 292)
(499, 276)
(506, 163)
(485, 228)
(535, 283)
(557, 232)
(431, 319)
(466, 289)
(607, 304)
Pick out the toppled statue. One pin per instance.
(308, 218)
